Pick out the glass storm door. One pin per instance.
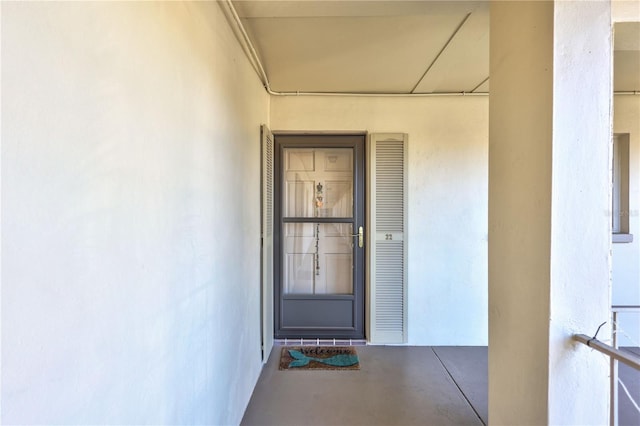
(319, 266)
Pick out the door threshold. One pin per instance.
(319, 342)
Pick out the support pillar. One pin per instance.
(549, 198)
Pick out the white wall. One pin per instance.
(130, 215)
(447, 229)
(549, 182)
(626, 257)
(520, 154)
(446, 134)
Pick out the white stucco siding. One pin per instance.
(130, 214)
(448, 201)
(447, 224)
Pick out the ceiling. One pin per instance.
(360, 46)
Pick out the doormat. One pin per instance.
(319, 358)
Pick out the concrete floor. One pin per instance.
(396, 385)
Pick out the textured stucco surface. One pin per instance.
(130, 214)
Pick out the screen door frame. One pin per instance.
(283, 326)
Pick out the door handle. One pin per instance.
(360, 236)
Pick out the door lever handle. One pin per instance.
(360, 236)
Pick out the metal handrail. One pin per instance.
(615, 354)
(625, 308)
(624, 357)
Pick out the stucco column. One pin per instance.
(549, 194)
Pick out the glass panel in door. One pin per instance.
(318, 183)
(318, 256)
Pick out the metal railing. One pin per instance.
(615, 354)
(615, 329)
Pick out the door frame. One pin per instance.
(360, 213)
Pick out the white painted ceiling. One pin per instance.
(416, 46)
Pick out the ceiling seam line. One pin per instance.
(481, 83)
(441, 51)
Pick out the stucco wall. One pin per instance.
(626, 257)
(447, 197)
(549, 182)
(130, 215)
(447, 224)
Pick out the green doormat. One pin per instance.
(319, 358)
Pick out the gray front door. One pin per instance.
(319, 227)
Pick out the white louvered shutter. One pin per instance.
(387, 251)
(267, 241)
